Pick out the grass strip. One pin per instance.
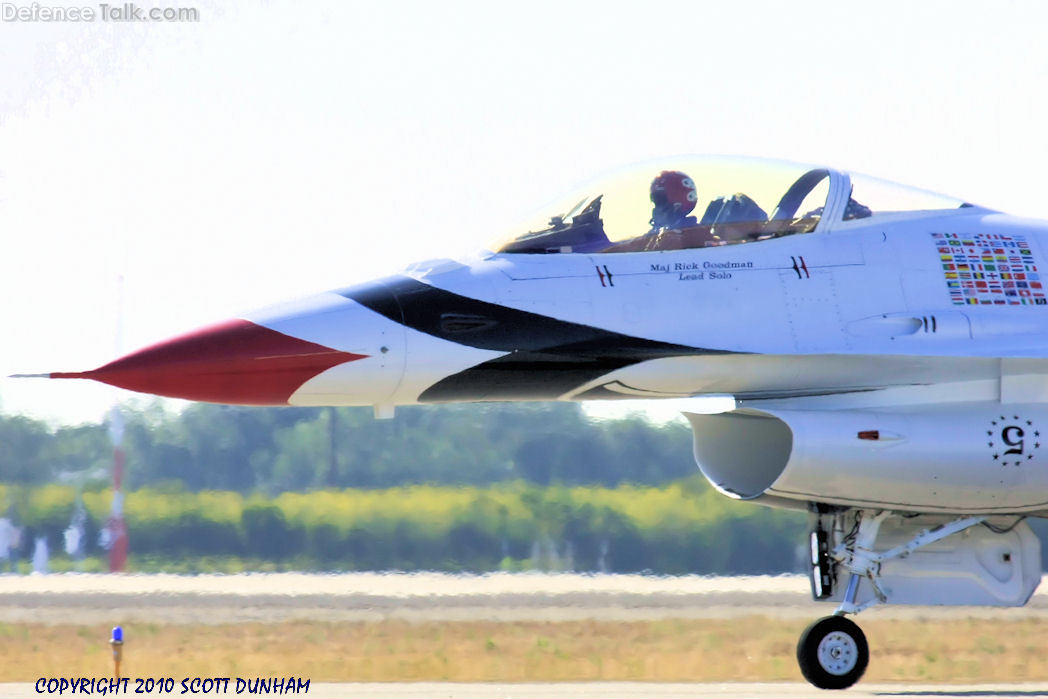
(692, 650)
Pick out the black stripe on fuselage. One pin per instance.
(546, 357)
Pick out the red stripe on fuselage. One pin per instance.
(235, 362)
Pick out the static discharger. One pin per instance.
(116, 642)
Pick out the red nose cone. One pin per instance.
(234, 362)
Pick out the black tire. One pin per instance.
(833, 653)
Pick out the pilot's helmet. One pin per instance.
(674, 195)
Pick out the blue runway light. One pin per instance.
(116, 642)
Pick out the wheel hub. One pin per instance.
(838, 653)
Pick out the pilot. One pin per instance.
(674, 195)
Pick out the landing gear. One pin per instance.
(833, 653)
(861, 558)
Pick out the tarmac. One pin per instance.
(621, 690)
(228, 599)
(215, 599)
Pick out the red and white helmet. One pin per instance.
(673, 193)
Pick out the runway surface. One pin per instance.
(627, 690)
(274, 598)
(223, 599)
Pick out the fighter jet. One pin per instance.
(885, 347)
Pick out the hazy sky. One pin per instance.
(279, 149)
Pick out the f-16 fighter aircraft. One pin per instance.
(885, 347)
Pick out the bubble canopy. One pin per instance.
(734, 201)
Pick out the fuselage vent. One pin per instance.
(453, 323)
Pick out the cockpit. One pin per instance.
(730, 201)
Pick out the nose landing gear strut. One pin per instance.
(832, 652)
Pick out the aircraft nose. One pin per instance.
(237, 362)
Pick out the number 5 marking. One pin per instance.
(1012, 435)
